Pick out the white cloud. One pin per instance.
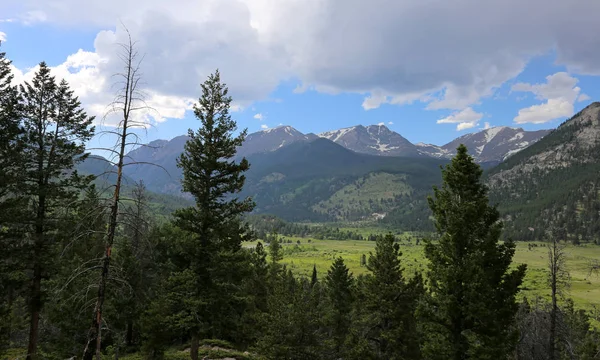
(380, 124)
(559, 93)
(539, 114)
(374, 101)
(391, 123)
(486, 125)
(84, 73)
(264, 126)
(259, 116)
(2, 36)
(466, 119)
(583, 97)
(450, 56)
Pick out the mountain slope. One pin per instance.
(271, 139)
(106, 176)
(156, 162)
(372, 140)
(554, 182)
(490, 146)
(323, 181)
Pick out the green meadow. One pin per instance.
(584, 289)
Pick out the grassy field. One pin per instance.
(584, 290)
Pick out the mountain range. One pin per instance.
(155, 162)
(370, 173)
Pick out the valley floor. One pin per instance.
(584, 290)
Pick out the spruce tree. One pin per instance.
(10, 131)
(388, 311)
(339, 285)
(213, 178)
(314, 279)
(56, 130)
(472, 305)
(74, 276)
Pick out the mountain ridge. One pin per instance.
(492, 145)
(554, 183)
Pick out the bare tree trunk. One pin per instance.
(123, 104)
(129, 334)
(559, 279)
(194, 347)
(35, 312)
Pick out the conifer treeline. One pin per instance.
(188, 284)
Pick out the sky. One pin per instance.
(431, 70)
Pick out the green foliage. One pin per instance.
(9, 154)
(318, 180)
(472, 304)
(386, 326)
(210, 282)
(340, 299)
(293, 323)
(53, 132)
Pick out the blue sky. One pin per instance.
(327, 76)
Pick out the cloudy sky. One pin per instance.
(430, 69)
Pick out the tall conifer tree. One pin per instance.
(10, 131)
(473, 305)
(56, 130)
(212, 176)
(340, 283)
(388, 312)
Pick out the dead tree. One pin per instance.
(128, 101)
(559, 281)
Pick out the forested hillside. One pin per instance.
(554, 183)
(322, 181)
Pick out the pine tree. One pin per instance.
(293, 322)
(56, 130)
(135, 263)
(388, 308)
(75, 275)
(472, 307)
(275, 255)
(257, 288)
(211, 176)
(314, 279)
(10, 131)
(339, 285)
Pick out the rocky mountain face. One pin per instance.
(372, 140)
(272, 139)
(490, 146)
(554, 183)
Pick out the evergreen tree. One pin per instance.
(388, 306)
(314, 279)
(294, 320)
(74, 275)
(257, 288)
(211, 176)
(56, 130)
(10, 131)
(276, 255)
(472, 307)
(135, 261)
(339, 285)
